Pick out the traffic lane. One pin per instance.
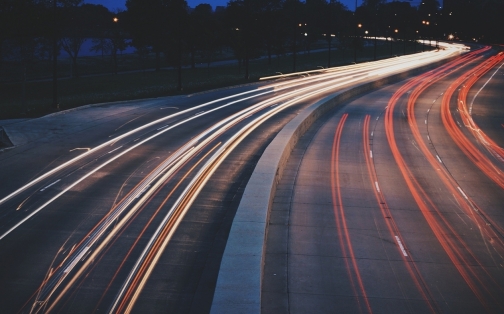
(115, 148)
(68, 220)
(76, 212)
(89, 127)
(317, 270)
(168, 269)
(261, 135)
(419, 239)
(485, 100)
(178, 280)
(475, 251)
(472, 181)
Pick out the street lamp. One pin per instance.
(115, 19)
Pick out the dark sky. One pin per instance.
(119, 4)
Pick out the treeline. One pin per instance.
(169, 29)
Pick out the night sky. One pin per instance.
(119, 4)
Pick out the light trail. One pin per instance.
(423, 58)
(146, 188)
(384, 67)
(457, 250)
(466, 116)
(392, 227)
(141, 272)
(341, 224)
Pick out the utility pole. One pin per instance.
(294, 48)
(355, 37)
(55, 104)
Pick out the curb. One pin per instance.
(238, 288)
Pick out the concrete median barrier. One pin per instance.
(238, 288)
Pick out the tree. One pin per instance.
(242, 27)
(294, 22)
(146, 21)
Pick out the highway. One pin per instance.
(128, 209)
(393, 203)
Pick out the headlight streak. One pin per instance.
(139, 189)
(283, 85)
(75, 159)
(275, 87)
(58, 276)
(196, 185)
(114, 231)
(131, 148)
(319, 88)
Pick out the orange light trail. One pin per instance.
(339, 213)
(451, 244)
(391, 224)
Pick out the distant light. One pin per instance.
(115, 19)
(396, 30)
(450, 37)
(366, 32)
(359, 25)
(306, 34)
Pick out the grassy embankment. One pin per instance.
(96, 84)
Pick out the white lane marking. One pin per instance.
(76, 260)
(474, 98)
(199, 113)
(114, 150)
(372, 133)
(462, 192)
(371, 153)
(45, 188)
(163, 127)
(428, 110)
(428, 138)
(377, 187)
(425, 121)
(401, 246)
(439, 159)
(143, 191)
(377, 118)
(81, 148)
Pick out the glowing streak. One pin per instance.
(341, 224)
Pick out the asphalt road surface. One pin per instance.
(127, 207)
(388, 207)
